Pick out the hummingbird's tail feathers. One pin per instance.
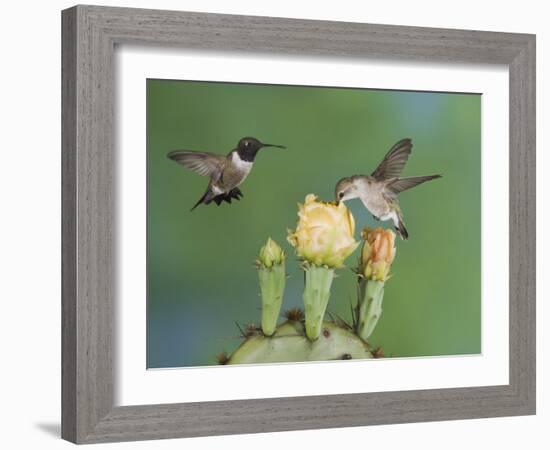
(402, 184)
(402, 231)
(197, 204)
(207, 198)
(399, 225)
(393, 163)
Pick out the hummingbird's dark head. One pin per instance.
(249, 146)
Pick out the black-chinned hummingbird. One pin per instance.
(379, 190)
(226, 173)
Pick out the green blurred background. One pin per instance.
(201, 277)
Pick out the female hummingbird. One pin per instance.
(378, 191)
(226, 173)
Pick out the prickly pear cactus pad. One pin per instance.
(290, 343)
(323, 240)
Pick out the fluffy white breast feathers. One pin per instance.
(240, 164)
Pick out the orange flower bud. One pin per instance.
(378, 253)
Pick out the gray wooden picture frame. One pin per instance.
(90, 34)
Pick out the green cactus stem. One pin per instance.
(289, 343)
(272, 286)
(271, 272)
(318, 280)
(369, 308)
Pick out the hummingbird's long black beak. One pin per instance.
(273, 145)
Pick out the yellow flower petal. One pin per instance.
(324, 233)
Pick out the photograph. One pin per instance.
(266, 225)
(294, 224)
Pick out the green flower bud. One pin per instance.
(271, 254)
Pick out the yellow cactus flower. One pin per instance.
(324, 234)
(378, 253)
(271, 254)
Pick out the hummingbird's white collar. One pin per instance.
(239, 163)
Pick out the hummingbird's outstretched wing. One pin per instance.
(402, 184)
(394, 161)
(203, 163)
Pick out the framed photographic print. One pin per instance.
(268, 222)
